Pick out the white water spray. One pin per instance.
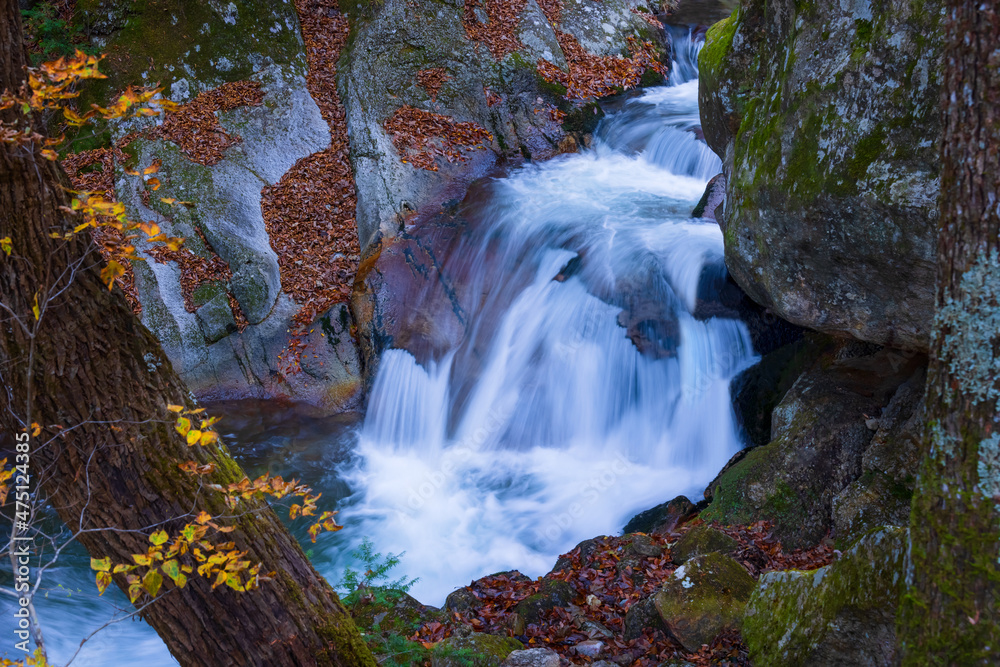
(546, 425)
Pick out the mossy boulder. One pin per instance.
(699, 541)
(398, 614)
(476, 650)
(642, 616)
(841, 614)
(820, 434)
(697, 12)
(826, 116)
(551, 593)
(704, 596)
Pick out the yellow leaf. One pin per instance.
(208, 437)
(50, 154)
(168, 200)
(35, 309)
(142, 559)
(175, 408)
(203, 517)
(153, 183)
(100, 564)
(158, 538)
(183, 425)
(112, 272)
(36, 429)
(103, 581)
(193, 436)
(153, 168)
(152, 582)
(6, 244)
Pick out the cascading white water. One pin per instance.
(546, 425)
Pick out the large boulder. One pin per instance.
(821, 431)
(704, 597)
(219, 306)
(476, 650)
(841, 614)
(469, 63)
(826, 118)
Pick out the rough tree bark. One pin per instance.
(950, 614)
(98, 373)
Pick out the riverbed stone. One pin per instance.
(841, 614)
(826, 116)
(704, 596)
(534, 657)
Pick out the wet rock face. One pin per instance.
(841, 614)
(821, 434)
(826, 117)
(398, 46)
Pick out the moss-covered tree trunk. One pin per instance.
(951, 612)
(89, 367)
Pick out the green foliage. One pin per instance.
(373, 583)
(51, 35)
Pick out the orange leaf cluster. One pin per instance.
(421, 136)
(432, 79)
(499, 33)
(592, 76)
(196, 129)
(309, 213)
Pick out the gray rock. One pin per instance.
(552, 593)
(590, 648)
(843, 614)
(827, 119)
(818, 442)
(394, 41)
(704, 596)
(533, 657)
(661, 519)
(642, 616)
(712, 199)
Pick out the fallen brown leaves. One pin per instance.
(608, 576)
(591, 76)
(431, 80)
(309, 213)
(499, 32)
(94, 171)
(552, 10)
(421, 136)
(195, 128)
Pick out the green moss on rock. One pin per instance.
(477, 650)
(843, 613)
(704, 596)
(699, 541)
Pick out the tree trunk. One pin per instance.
(99, 374)
(950, 614)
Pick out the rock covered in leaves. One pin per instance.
(827, 118)
(841, 614)
(704, 597)
(429, 85)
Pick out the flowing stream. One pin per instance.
(587, 385)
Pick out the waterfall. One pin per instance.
(584, 389)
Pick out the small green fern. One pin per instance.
(373, 582)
